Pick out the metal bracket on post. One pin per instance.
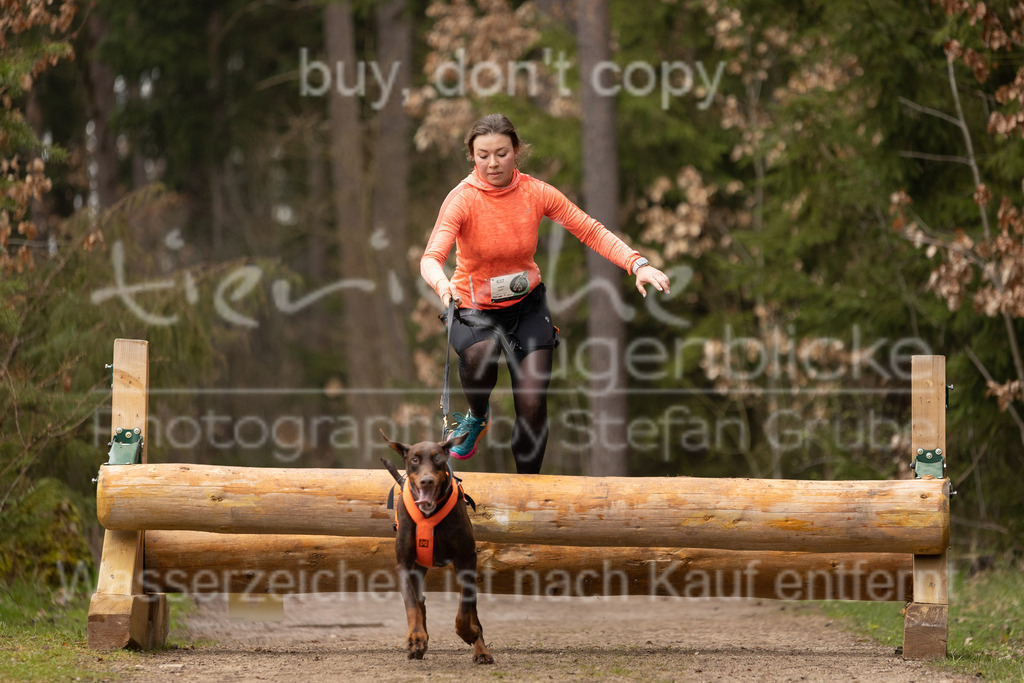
(929, 461)
(126, 448)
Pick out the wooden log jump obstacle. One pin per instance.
(184, 528)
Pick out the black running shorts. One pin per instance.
(526, 325)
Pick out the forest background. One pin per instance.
(248, 185)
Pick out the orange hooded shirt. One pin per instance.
(495, 233)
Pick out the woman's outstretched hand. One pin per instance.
(650, 275)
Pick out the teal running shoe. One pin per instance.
(474, 428)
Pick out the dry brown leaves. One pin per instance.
(1002, 35)
(22, 183)
(476, 49)
(996, 262)
(1006, 393)
(989, 272)
(760, 54)
(678, 226)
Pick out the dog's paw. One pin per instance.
(417, 647)
(481, 655)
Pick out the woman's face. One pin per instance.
(495, 158)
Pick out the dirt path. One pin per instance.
(358, 637)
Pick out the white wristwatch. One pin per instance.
(640, 263)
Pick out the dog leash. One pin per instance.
(445, 402)
(445, 393)
(448, 316)
(451, 314)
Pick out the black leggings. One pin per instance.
(531, 375)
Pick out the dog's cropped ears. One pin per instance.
(403, 449)
(454, 441)
(397, 447)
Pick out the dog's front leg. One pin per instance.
(467, 623)
(410, 580)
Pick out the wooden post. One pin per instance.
(926, 625)
(120, 614)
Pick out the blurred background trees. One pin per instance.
(248, 185)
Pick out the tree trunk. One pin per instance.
(360, 336)
(140, 176)
(220, 219)
(605, 328)
(318, 199)
(100, 95)
(390, 192)
(39, 209)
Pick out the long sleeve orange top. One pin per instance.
(495, 233)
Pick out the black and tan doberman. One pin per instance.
(434, 530)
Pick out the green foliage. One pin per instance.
(55, 334)
(42, 534)
(214, 91)
(49, 332)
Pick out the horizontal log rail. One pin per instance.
(672, 512)
(196, 562)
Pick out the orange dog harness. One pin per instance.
(425, 525)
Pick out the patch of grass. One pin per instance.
(43, 637)
(882, 621)
(986, 624)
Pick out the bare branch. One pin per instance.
(988, 526)
(962, 124)
(988, 378)
(975, 459)
(928, 110)
(1018, 361)
(937, 157)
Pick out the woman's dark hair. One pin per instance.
(496, 124)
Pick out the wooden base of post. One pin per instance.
(138, 622)
(925, 631)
